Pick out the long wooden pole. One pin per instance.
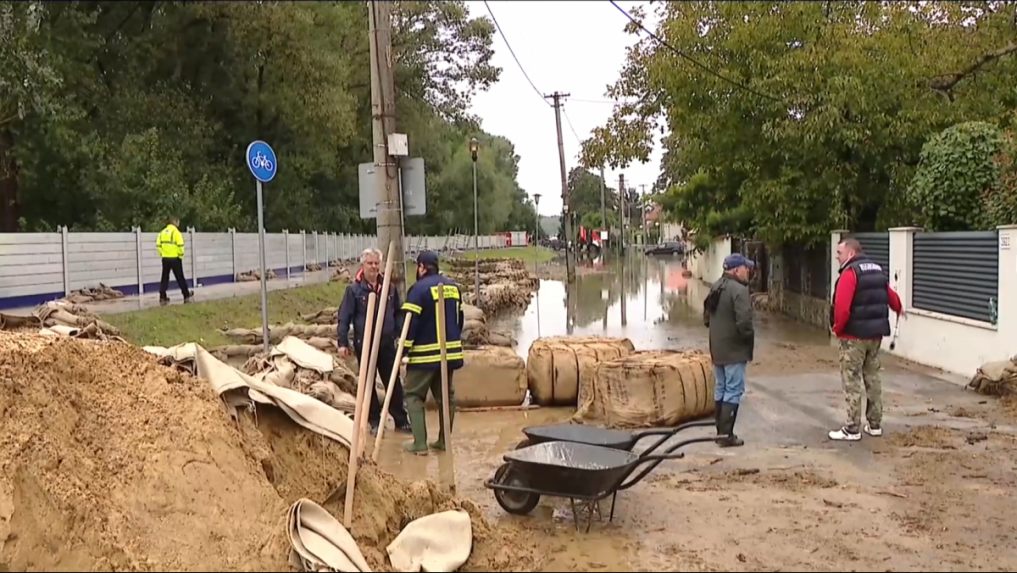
(445, 406)
(372, 366)
(391, 385)
(358, 413)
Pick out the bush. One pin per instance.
(956, 169)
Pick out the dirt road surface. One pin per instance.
(935, 492)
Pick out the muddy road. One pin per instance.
(936, 492)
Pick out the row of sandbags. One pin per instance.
(996, 378)
(255, 275)
(612, 384)
(475, 329)
(62, 318)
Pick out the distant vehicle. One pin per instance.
(667, 248)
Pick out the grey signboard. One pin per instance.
(411, 173)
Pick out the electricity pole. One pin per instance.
(642, 212)
(603, 206)
(570, 263)
(390, 220)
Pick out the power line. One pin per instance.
(511, 51)
(569, 121)
(695, 62)
(603, 101)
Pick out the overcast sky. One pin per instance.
(571, 47)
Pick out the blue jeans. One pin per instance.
(730, 383)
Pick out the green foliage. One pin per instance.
(119, 113)
(956, 167)
(1000, 204)
(838, 99)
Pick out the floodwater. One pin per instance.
(644, 299)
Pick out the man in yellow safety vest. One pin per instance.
(170, 244)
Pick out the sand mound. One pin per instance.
(109, 461)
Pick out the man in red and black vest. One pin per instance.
(860, 318)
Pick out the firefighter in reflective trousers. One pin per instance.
(423, 362)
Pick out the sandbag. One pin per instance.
(557, 366)
(651, 389)
(490, 376)
(471, 312)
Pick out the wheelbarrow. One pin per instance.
(603, 437)
(579, 472)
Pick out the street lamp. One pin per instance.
(536, 234)
(474, 148)
(536, 253)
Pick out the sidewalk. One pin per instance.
(202, 293)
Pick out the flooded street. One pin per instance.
(924, 497)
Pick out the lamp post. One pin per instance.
(536, 254)
(536, 235)
(474, 148)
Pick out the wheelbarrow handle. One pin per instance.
(653, 460)
(667, 433)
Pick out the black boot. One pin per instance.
(717, 406)
(729, 415)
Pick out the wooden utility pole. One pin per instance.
(621, 208)
(566, 199)
(390, 220)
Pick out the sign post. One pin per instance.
(261, 161)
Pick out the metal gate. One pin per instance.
(877, 247)
(957, 274)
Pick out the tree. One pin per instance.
(130, 111)
(584, 191)
(957, 166)
(811, 115)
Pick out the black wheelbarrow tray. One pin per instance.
(594, 436)
(578, 472)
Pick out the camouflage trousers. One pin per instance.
(859, 371)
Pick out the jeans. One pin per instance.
(730, 382)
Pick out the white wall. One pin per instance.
(954, 344)
(41, 266)
(709, 265)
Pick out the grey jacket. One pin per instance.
(728, 312)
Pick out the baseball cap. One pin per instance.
(428, 259)
(733, 261)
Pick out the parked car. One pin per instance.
(666, 248)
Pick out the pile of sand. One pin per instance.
(109, 461)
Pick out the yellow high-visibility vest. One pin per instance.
(170, 243)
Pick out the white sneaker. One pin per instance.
(842, 435)
(874, 432)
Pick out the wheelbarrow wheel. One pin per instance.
(514, 502)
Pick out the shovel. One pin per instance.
(896, 331)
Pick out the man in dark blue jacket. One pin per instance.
(353, 310)
(423, 362)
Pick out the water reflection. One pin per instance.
(642, 298)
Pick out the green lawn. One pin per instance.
(199, 322)
(528, 254)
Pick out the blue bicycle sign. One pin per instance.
(261, 161)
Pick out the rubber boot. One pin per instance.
(717, 406)
(729, 416)
(439, 444)
(418, 422)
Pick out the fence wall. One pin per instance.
(960, 294)
(708, 265)
(37, 267)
